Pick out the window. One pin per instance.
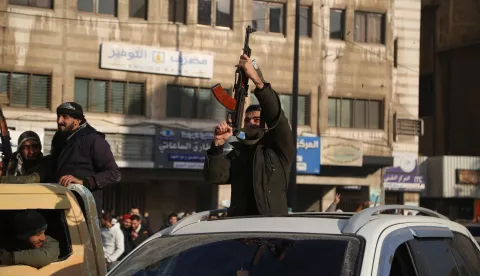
(196, 103)
(268, 17)
(26, 90)
(110, 96)
(369, 27)
(354, 113)
(467, 253)
(337, 24)
(286, 102)
(395, 53)
(222, 16)
(98, 6)
(139, 8)
(433, 257)
(402, 264)
(305, 21)
(303, 254)
(57, 228)
(177, 11)
(47, 4)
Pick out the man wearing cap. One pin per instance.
(257, 167)
(81, 155)
(30, 246)
(28, 159)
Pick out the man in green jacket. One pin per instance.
(30, 246)
(258, 167)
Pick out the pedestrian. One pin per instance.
(258, 167)
(81, 155)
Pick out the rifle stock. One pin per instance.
(236, 104)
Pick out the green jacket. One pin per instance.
(258, 174)
(37, 258)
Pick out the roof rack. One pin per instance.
(192, 219)
(362, 217)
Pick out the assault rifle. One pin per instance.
(236, 104)
(6, 146)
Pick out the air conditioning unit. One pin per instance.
(408, 127)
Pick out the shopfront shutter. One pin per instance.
(129, 147)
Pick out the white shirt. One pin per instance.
(113, 242)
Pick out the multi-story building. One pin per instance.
(450, 53)
(143, 69)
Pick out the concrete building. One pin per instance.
(359, 65)
(450, 54)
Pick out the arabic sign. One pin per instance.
(181, 149)
(308, 155)
(341, 152)
(146, 59)
(471, 177)
(404, 175)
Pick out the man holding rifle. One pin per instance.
(258, 167)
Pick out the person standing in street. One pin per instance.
(81, 155)
(258, 167)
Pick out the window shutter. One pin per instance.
(19, 96)
(286, 102)
(136, 99)
(117, 99)
(174, 101)
(4, 87)
(82, 93)
(99, 103)
(40, 94)
(204, 104)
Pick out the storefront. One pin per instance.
(453, 186)
(404, 181)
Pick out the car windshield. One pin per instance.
(221, 254)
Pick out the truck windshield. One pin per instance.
(256, 255)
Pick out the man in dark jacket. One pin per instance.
(81, 155)
(258, 167)
(28, 159)
(30, 246)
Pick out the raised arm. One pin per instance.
(280, 137)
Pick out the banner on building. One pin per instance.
(341, 152)
(181, 149)
(138, 58)
(405, 174)
(308, 155)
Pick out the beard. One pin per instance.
(68, 129)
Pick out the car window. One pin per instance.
(433, 257)
(278, 256)
(57, 229)
(402, 264)
(466, 254)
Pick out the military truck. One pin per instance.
(72, 221)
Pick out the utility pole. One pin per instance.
(292, 188)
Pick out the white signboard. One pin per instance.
(147, 59)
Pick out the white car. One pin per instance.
(363, 243)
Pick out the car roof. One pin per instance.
(312, 222)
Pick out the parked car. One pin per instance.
(72, 220)
(363, 243)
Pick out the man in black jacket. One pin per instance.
(81, 155)
(257, 168)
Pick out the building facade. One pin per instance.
(450, 53)
(142, 70)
